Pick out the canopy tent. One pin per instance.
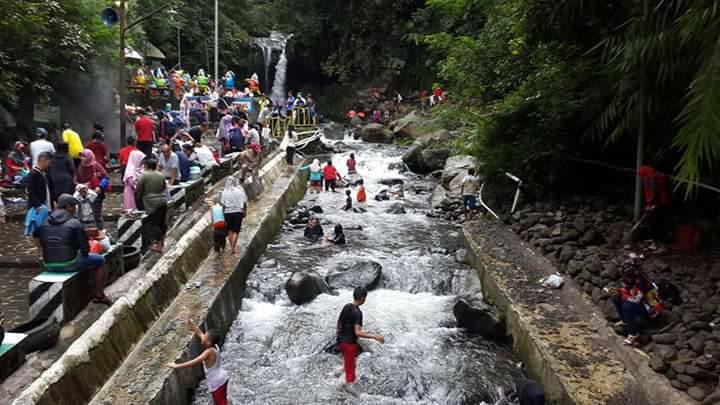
(152, 52)
(132, 54)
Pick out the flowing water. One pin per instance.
(277, 41)
(274, 350)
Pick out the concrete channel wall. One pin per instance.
(93, 358)
(562, 339)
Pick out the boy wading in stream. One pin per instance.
(217, 378)
(349, 329)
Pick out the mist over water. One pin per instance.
(274, 350)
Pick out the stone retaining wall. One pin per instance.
(92, 359)
(563, 340)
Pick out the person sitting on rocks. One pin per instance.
(65, 247)
(314, 230)
(636, 299)
(339, 237)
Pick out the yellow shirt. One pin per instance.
(74, 142)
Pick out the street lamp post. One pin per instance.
(217, 25)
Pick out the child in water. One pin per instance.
(361, 195)
(216, 378)
(348, 201)
(339, 237)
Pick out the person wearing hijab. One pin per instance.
(17, 164)
(95, 176)
(62, 172)
(315, 176)
(132, 174)
(234, 202)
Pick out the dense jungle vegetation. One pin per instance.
(532, 82)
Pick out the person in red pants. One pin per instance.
(349, 329)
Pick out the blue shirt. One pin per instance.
(184, 164)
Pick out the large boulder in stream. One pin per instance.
(479, 319)
(303, 287)
(361, 274)
(376, 133)
(422, 160)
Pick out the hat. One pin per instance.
(41, 133)
(66, 201)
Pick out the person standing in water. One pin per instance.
(349, 329)
(351, 164)
(216, 377)
(315, 176)
(234, 202)
(330, 174)
(361, 194)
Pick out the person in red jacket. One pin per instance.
(331, 175)
(145, 136)
(657, 203)
(97, 145)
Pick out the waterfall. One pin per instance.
(277, 41)
(278, 89)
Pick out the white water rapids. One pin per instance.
(273, 351)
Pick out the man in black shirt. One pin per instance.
(196, 132)
(349, 329)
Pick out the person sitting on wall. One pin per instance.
(65, 246)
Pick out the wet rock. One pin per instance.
(434, 159)
(362, 274)
(391, 181)
(268, 264)
(697, 393)
(383, 195)
(481, 320)
(316, 209)
(376, 133)
(461, 255)
(303, 287)
(399, 166)
(397, 208)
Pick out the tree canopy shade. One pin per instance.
(40, 39)
(531, 81)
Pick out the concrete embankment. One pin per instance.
(93, 358)
(220, 281)
(562, 339)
